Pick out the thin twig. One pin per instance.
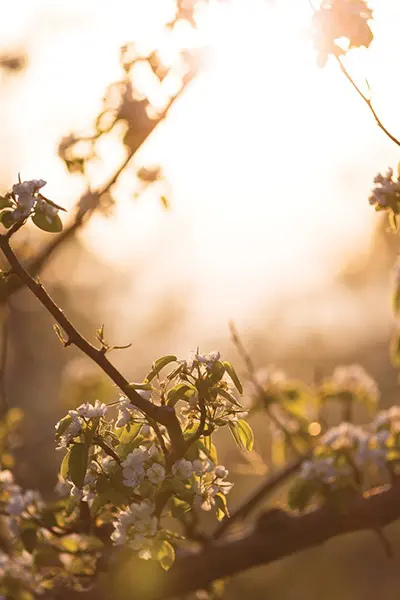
(162, 414)
(259, 495)
(241, 349)
(367, 101)
(82, 216)
(252, 374)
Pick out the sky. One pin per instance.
(269, 159)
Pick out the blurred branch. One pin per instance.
(162, 414)
(83, 213)
(275, 535)
(259, 495)
(252, 375)
(3, 361)
(367, 100)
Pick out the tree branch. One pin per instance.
(276, 534)
(83, 215)
(162, 414)
(264, 490)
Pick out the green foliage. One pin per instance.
(159, 364)
(165, 554)
(51, 224)
(242, 434)
(77, 464)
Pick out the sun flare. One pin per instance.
(262, 152)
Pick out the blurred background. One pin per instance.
(267, 164)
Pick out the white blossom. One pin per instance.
(221, 472)
(136, 526)
(124, 414)
(324, 469)
(133, 466)
(345, 435)
(73, 429)
(25, 193)
(353, 378)
(202, 466)
(182, 468)
(76, 493)
(146, 394)
(89, 411)
(208, 359)
(386, 192)
(388, 418)
(156, 473)
(62, 487)
(18, 501)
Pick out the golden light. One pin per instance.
(314, 429)
(257, 151)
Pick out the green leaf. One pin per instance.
(7, 219)
(29, 537)
(130, 432)
(184, 493)
(222, 507)
(63, 425)
(228, 396)
(117, 498)
(69, 508)
(179, 508)
(216, 373)
(165, 555)
(70, 544)
(233, 375)
(78, 459)
(140, 386)
(98, 502)
(5, 202)
(49, 518)
(159, 364)
(46, 223)
(64, 469)
(179, 392)
(243, 434)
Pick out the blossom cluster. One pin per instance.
(25, 200)
(15, 500)
(18, 506)
(344, 454)
(76, 422)
(386, 193)
(138, 527)
(351, 380)
(344, 441)
(118, 461)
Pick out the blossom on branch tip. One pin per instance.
(90, 411)
(208, 359)
(386, 193)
